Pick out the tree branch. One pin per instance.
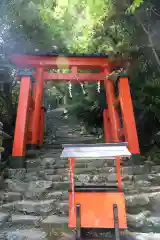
(150, 40)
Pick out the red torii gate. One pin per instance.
(30, 113)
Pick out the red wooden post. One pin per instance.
(30, 128)
(34, 90)
(72, 186)
(38, 93)
(118, 169)
(113, 115)
(20, 135)
(41, 130)
(128, 115)
(107, 127)
(29, 132)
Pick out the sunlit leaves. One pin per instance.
(135, 5)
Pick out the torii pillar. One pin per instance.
(22, 121)
(38, 94)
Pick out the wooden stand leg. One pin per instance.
(116, 224)
(78, 222)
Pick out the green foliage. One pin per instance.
(135, 5)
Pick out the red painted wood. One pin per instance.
(118, 169)
(88, 77)
(113, 115)
(107, 127)
(38, 93)
(128, 116)
(65, 62)
(58, 61)
(75, 77)
(20, 136)
(41, 130)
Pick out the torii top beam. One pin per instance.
(48, 61)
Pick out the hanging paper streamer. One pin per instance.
(98, 87)
(82, 87)
(70, 89)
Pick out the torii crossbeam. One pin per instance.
(30, 112)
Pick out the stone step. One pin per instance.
(3, 218)
(135, 221)
(53, 221)
(143, 221)
(108, 169)
(140, 180)
(139, 202)
(65, 170)
(95, 178)
(58, 195)
(27, 206)
(32, 153)
(41, 185)
(60, 161)
(125, 170)
(55, 165)
(10, 196)
(134, 203)
(145, 236)
(32, 189)
(74, 141)
(37, 234)
(20, 234)
(55, 224)
(42, 208)
(17, 219)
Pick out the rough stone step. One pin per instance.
(79, 168)
(25, 219)
(130, 193)
(58, 195)
(30, 207)
(111, 169)
(55, 221)
(150, 180)
(21, 234)
(43, 208)
(145, 236)
(74, 141)
(10, 196)
(32, 153)
(55, 165)
(135, 221)
(39, 186)
(139, 202)
(143, 221)
(90, 177)
(125, 170)
(134, 203)
(29, 190)
(139, 190)
(65, 170)
(3, 218)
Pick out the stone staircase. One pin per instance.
(34, 201)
